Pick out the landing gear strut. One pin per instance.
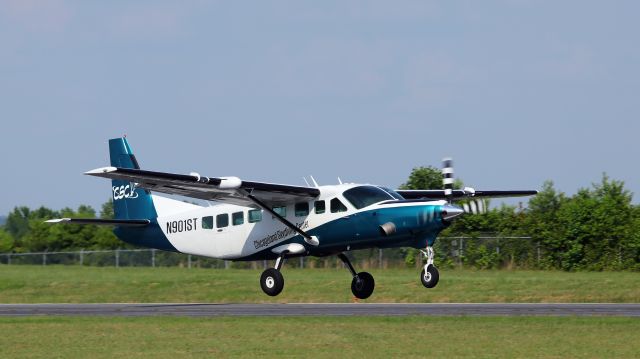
(362, 283)
(429, 275)
(271, 280)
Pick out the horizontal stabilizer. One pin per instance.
(103, 222)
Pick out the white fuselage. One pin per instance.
(182, 224)
(201, 230)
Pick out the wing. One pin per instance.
(460, 194)
(225, 189)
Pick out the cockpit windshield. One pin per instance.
(393, 193)
(363, 196)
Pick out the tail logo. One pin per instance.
(128, 191)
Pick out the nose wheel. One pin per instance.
(429, 275)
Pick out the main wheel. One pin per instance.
(272, 282)
(430, 277)
(362, 285)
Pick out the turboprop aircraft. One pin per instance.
(265, 221)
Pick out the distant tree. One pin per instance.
(18, 222)
(104, 237)
(597, 227)
(107, 210)
(427, 178)
(424, 178)
(542, 224)
(6, 241)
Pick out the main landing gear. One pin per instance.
(362, 283)
(429, 275)
(271, 280)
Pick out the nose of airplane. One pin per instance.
(449, 212)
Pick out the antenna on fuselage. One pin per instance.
(305, 181)
(314, 181)
(339, 180)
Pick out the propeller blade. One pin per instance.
(473, 206)
(482, 208)
(447, 178)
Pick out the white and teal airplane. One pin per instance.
(259, 221)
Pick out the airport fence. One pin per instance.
(459, 251)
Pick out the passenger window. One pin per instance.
(320, 207)
(207, 222)
(337, 206)
(255, 215)
(222, 220)
(302, 209)
(281, 211)
(237, 218)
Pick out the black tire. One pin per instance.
(272, 282)
(431, 277)
(362, 285)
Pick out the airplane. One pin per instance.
(265, 221)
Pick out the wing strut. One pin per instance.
(312, 240)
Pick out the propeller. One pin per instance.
(473, 206)
(447, 178)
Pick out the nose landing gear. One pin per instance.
(429, 275)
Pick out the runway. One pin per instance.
(323, 309)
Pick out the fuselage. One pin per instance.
(342, 218)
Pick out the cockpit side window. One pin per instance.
(337, 206)
(363, 196)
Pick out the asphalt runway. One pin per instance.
(324, 309)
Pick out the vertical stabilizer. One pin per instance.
(129, 202)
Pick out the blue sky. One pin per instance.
(516, 91)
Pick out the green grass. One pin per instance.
(332, 337)
(75, 284)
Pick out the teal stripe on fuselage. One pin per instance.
(416, 226)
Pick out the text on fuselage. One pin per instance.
(183, 225)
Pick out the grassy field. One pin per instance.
(373, 337)
(75, 284)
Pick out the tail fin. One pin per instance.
(129, 202)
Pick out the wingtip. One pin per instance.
(100, 170)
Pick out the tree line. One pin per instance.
(25, 230)
(598, 228)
